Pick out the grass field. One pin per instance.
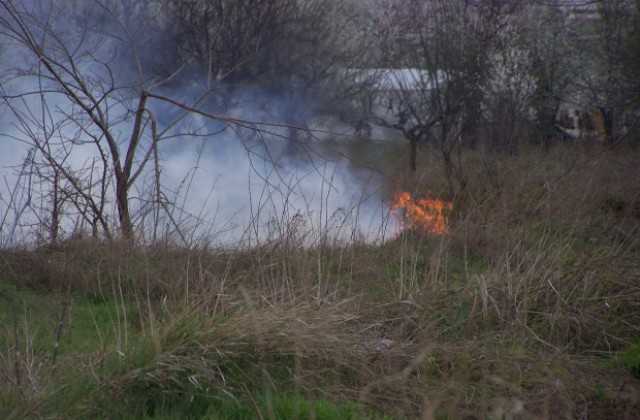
(529, 307)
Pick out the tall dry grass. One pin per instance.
(508, 315)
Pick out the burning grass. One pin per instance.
(521, 301)
(421, 214)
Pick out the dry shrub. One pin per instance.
(326, 352)
(562, 255)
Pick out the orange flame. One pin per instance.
(423, 214)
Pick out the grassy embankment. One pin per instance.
(528, 308)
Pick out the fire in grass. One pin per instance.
(421, 214)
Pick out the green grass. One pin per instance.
(152, 376)
(629, 359)
(80, 324)
(280, 406)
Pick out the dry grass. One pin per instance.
(510, 315)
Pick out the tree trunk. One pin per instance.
(55, 210)
(413, 152)
(122, 198)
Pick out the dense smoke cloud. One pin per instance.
(235, 182)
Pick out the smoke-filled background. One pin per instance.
(218, 100)
(243, 119)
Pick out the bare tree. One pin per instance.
(613, 83)
(447, 44)
(508, 90)
(223, 37)
(83, 80)
(289, 50)
(71, 67)
(78, 83)
(581, 55)
(555, 65)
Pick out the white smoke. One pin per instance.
(238, 184)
